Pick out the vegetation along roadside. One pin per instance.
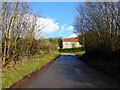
(12, 75)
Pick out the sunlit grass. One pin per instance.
(13, 74)
(79, 53)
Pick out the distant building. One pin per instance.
(70, 43)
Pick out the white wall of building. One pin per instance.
(69, 44)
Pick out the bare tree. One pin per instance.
(9, 15)
(98, 22)
(18, 27)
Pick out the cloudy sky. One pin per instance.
(58, 17)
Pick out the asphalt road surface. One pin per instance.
(69, 72)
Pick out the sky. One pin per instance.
(58, 17)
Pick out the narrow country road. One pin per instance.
(69, 72)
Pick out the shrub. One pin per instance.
(28, 48)
(71, 49)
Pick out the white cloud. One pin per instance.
(49, 25)
(70, 28)
(46, 26)
(65, 27)
(73, 35)
(43, 25)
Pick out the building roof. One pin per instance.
(69, 40)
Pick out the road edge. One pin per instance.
(30, 75)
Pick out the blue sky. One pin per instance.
(62, 14)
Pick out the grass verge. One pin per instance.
(79, 53)
(14, 74)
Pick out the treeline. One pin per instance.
(18, 28)
(98, 27)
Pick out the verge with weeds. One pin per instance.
(11, 75)
(79, 53)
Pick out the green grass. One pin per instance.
(77, 49)
(13, 74)
(79, 53)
